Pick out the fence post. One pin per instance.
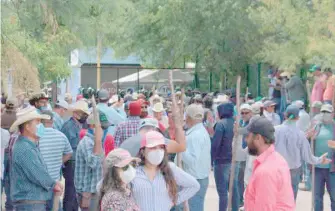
(259, 67)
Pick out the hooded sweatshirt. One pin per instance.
(223, 136)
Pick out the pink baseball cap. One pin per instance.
(152, 139)
(120, 158)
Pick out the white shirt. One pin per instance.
(304, 121)
(4, 144)
(272, 117)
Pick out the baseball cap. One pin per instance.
(246, 106)
(151, 122)
(62, 103)
(152, 139)
(256, 108)
(195, 111)
(299, 103)
(316, 104)
(120, 158)
(292, 111)
(327, 107)
(103, 94)
(268, 103)
(262, 126)
(135, 108)
(315, 68)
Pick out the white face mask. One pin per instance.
(128, 175)
(155, 157)
(327, 117)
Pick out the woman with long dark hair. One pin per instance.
(115, 193)
(160, 184)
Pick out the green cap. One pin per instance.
(315, 68)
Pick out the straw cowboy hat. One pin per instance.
(38, 96)
(286, 74)
(158, 107)
(25, 115)
(221, 99)
(81, 106)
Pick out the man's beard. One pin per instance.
(252, 149)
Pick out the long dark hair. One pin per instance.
(110, 181)
(164, 167)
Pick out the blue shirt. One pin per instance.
(325, 134)
(29, 178)
(88, 168)
(293, 145)
(53, 145)
(113, 116)
(58, 121)
(153, 195)
(71, 129)
(197, 157)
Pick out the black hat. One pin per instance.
(262, 126)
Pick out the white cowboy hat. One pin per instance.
(221, 99)
(81, 106)
(286, 74)
(158, 107)
(25, 115)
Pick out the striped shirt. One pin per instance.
(29, 178)
(58, 121)
(88, 168)
(153, 195)
(53, 145)
(127, 129)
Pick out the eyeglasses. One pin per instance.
(245, 113)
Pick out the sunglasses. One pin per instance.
(133, 164)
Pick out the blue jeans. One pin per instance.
(221, 175)
(50, 204)
(324, 177)
(308, 177)
(6, 184)
(70, 199)
(240, 177)
(295, 179)
(30, 207)
(197, 202)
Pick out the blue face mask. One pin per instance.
(43, 108)
(40, 130)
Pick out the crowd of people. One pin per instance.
(152, 153)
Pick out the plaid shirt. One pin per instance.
(88, 168)
(71, 129)
(127, 129)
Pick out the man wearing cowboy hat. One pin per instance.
(295, 88)
(40, 101)
(35, 185)
(71, 130)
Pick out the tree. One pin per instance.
(296, 32)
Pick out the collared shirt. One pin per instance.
(272, 117)
(58, 121)
(127, 129)
(29, 178)
(71, 130)
(293, 145)
(53, 145)
(270, 187)
(153, 195)
(118, 200)
(318, 89)
(88, 168)
(197, 157)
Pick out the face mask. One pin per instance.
(155, 157)
(43, 108)
(40, 130)
(327, 117)
(82, 119)
(128, 175)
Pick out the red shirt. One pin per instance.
(270, 186)
(109, 143)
